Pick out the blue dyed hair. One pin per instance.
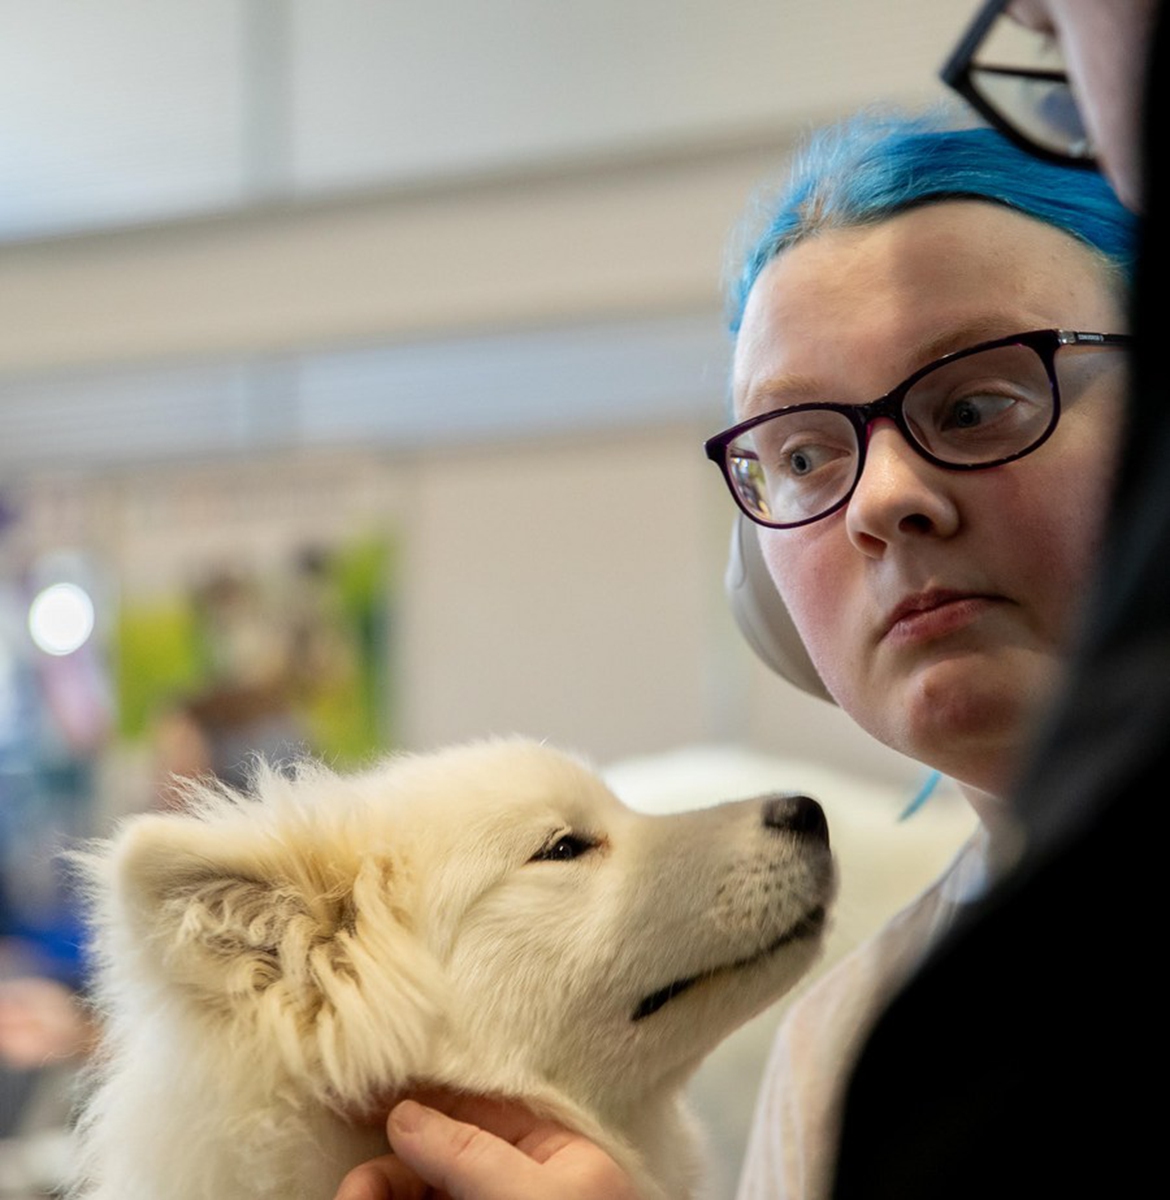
(876, 165)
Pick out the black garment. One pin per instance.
(1025, 1058)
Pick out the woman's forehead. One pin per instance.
(935, 252)
(862, 307)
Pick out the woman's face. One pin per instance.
(938, 605)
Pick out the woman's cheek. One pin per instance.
(817, 601)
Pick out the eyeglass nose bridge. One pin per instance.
(891, 406)
(863, 416)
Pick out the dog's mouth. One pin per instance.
(808, 926)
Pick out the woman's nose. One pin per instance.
(899, 494)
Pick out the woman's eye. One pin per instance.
(804, 460)
(970, 412)
(790, 452)
(566, 847)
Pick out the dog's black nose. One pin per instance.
(796, 814)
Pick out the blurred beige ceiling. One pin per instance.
(211, 204)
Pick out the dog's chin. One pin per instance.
(809, 927)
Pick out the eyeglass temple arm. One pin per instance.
(1073, 337)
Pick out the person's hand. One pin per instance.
(484, 1150)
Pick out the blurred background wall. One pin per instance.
(278, 272)
(355, 362)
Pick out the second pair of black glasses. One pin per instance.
(1014, 77)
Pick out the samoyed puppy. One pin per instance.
(274, 969)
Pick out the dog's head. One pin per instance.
(490, 916)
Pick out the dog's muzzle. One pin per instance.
(791, 814)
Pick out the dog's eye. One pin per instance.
(567, 846)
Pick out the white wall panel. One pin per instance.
(118, 111)
(391, 89)
(131, 110)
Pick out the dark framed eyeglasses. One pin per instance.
(976, 408)
(994, 69)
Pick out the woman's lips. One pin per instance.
(929, 615)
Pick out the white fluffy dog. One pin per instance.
(273, 969)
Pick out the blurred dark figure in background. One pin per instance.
(1047, 1090)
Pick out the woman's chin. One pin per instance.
(968, 715)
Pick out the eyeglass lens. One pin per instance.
(974, 410)
(1043, 110)
(1008, 74)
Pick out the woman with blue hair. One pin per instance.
(928, 385)
(928, 379)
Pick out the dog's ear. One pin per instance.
(317, 947)
(213, 909)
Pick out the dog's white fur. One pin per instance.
(274, 968)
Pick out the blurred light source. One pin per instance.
(61, 618)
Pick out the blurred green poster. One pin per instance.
(276, 661)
